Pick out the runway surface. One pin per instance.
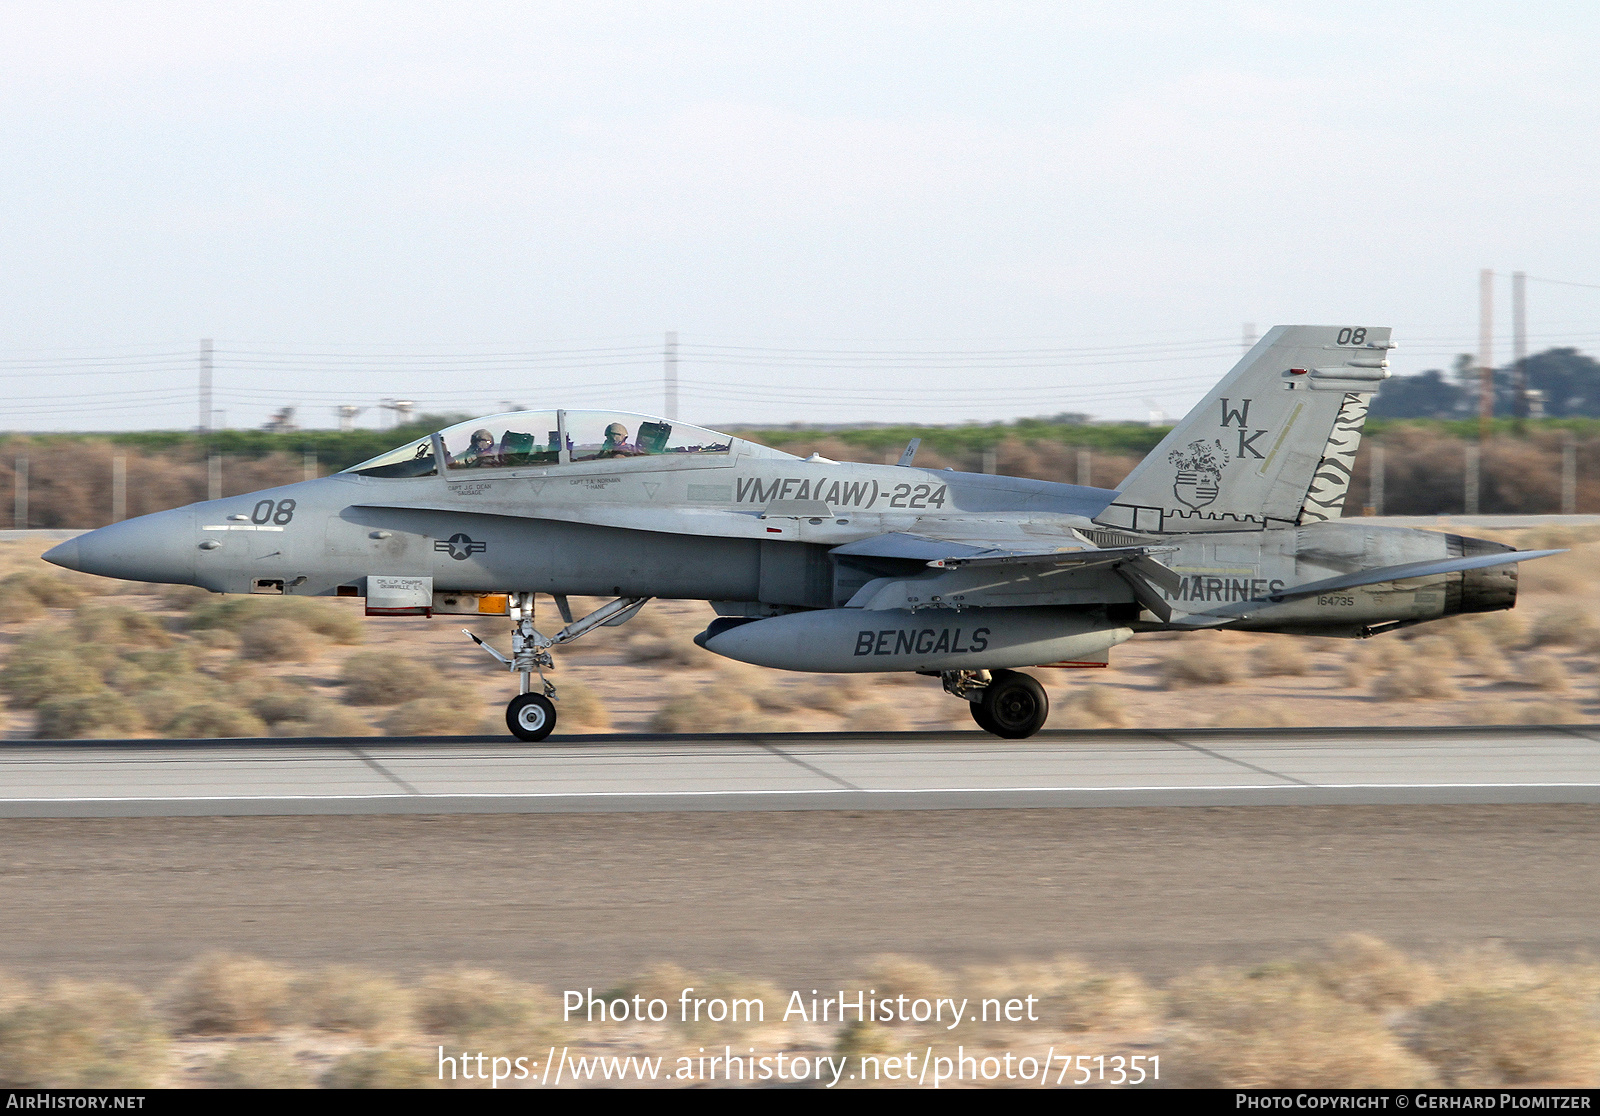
(897, 771)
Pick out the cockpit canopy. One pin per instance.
(531, 439)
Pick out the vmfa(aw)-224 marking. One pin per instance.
(1233, 521)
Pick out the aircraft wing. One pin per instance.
(1009, 575)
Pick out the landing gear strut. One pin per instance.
(532, 716)
(1004, 702)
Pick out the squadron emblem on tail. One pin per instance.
(1199, 476)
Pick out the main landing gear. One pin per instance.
(1004, 702)
(530, 715)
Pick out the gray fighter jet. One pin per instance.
(817, 565)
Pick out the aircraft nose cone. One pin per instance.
(159, 547)
(65, 555)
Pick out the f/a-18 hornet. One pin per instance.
(817, 565)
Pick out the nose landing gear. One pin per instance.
(532, 716)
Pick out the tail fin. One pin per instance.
(1270, 446)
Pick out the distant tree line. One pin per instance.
(1568, 380)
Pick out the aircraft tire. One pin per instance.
(1015, 704)
(982, 717)
(531, 716)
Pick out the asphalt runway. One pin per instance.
(576, 864)
(870, 771)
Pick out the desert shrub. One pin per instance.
(124, 627)
(381, 678)
(662, 651)
(212, 720)
(100, 715)
(708, 709)
(82, 1036)
(274, 639)
(1091, 707)
(323, 718)
(1259, 714)
(1551, 713)
(50, 664)
(256, 1066)
(1506, 630)
(1543, 672)
(1363, 970)
(46, 589)
(667, 982)
(1280, 658)
(1570, 627)
(1073, 995)
(382, 1069)
(863, 1037)
(1494, 713)
(217, 639)
(17, 603)
(835, 693)
(1486, 1037)
(229, 994)
(876, 716)
(1407, 681)
(345, 999)
(1201, 667)
(1440, 650)
(1277, 1028)
(893, 974)
(580, 707)
(234, 612)
(181, 597)
(434, 716)
(464, 1003)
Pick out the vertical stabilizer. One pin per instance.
(1269, 446)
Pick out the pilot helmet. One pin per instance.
(481, 435)
(616, 431)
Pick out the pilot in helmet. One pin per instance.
(616, 443)
(481, 451)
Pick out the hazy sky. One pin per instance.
(881, 211)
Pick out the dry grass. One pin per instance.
(1354, 1013)
(276, 639)
(229, 994)
(876, 716)
(1543, 672)
(1482, 1038)
(357, 1001)
(382, 1069)
(338, 623)
(1090, 707)
(263, 1066)
(469, 1004)
(1409, 681)
(1278, 1028)
(437, 716)
(580, 707)
(82, 1036)
(384, 678)
(1197, 667)
(1280, 658)
(1570, 627)
(1260, 714)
